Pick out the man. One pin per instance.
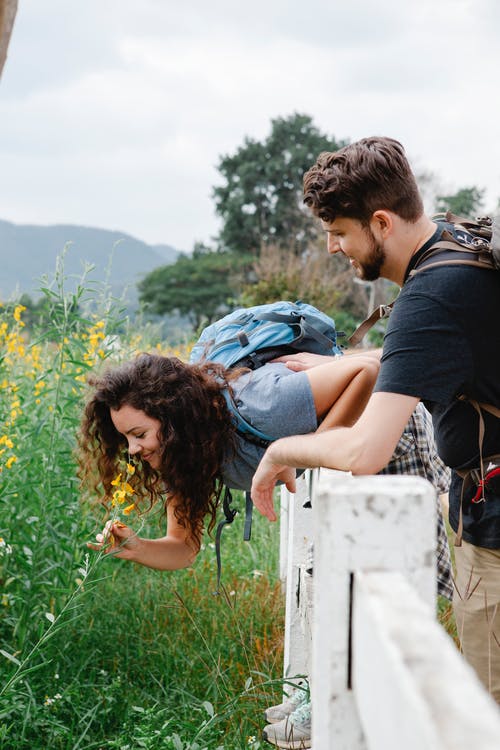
(442, 342)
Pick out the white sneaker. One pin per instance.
(277, 713)
(293, 732)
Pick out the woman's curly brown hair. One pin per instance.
(196, 434)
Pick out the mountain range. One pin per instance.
(29, 252)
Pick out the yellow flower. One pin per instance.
(116, 481)
(119, 496)
(39, 386)
(129, 509)
(10, 461)
(130, 469)
(17, 312)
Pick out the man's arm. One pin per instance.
(307, 360)
(364, 448)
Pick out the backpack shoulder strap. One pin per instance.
(449, 251)
(383, 311)
(229, 515)
(479, 407)
(244, 428)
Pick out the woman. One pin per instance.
(173, 418)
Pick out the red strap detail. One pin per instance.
(484, 483)
(479, 494)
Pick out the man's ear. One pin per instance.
(382, 223)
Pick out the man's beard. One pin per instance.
(369, 270)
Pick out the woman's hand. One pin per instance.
(116, 539)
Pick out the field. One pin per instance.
(96, 652)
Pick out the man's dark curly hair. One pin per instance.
(361, 178)
(196, 434)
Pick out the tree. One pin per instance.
(319, 279)
(8, 10)
(260, 200)
(465, 202)
(202, 286)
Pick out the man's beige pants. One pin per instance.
(476, 602)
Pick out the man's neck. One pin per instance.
(405, 241)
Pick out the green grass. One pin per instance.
(154, 659)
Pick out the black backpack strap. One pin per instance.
(229, 514)
(247, 531)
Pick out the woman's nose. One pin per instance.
(133, 446)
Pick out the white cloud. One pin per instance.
(116, 112)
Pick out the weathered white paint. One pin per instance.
(360, 523)
(384, 674)
(285, 499)
(412, 688)
(299, 533)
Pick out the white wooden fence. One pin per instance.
(384, 675)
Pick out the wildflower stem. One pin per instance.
(53, 626)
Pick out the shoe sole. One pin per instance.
(298, 744)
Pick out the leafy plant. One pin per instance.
(96, 652)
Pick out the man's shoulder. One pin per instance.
(454, 285)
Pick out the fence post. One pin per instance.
(360, 523)
(297, 529)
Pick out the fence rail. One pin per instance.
(383, 673)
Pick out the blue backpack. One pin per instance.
(250, 337)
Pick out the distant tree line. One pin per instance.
(269, 246)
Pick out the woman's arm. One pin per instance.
(341, 388)
(170, 552)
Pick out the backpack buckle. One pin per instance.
(242, 339)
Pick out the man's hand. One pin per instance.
(264, 482)
(304, 360)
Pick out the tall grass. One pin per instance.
(96, 652)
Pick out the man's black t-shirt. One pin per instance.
(442, 341)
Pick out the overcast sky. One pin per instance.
(114, 113)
